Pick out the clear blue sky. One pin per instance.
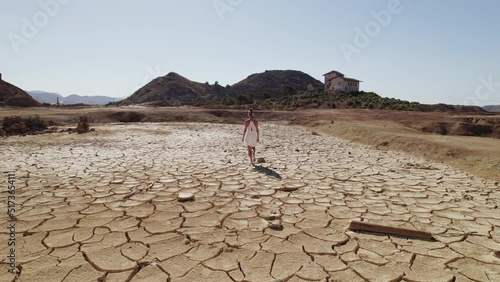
(429, 51)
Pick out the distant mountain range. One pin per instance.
(492, 108)
(11, 95)
(51, 98)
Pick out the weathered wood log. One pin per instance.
(377, 228)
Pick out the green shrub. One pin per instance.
(35, 123)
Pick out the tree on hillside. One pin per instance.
(288, 90)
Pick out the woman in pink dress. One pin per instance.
(251, 135)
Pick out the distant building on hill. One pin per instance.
(337, 82)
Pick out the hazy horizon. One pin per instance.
(429, 52)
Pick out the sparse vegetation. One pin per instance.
(127, 116)
(35, 123)
(273, 90)
(21, 125)
(354, 100)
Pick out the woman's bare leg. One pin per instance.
(253, 154)
(250, 154)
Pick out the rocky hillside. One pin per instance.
(276, 89)
(174, 89)
(358, 100)
(492, 108)
(277, 83)
(13, 96)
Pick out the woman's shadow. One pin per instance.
(266, 171)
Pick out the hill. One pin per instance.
(174, 89)
(45, 97)
(277, 83)
(492, 108)
(90, 100)
(11, 95)
(358, 100)
(51, 98)
(275, 89)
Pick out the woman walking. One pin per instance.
(251, 135)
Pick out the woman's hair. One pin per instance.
(251, 112)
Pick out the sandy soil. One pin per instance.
(390, 130)
(104, 205)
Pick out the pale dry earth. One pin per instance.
(103, 206)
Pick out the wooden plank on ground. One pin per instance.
(377, 228)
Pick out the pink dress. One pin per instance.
(250, 138)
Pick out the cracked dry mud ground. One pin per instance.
(104, 207)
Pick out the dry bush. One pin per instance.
(127, 116)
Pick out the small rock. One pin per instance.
(384, 144)
(276, 224)
(315, 133)
(468, 197)
(297, 150)
(261, 160)
(83, 125)
(289, 188)
(17, 128)
(185, 196)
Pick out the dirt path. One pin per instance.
(104, 205)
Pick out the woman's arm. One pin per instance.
(257, 127)
(245, 131)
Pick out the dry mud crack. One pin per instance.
(104, 207)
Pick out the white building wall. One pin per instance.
(337, 82)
